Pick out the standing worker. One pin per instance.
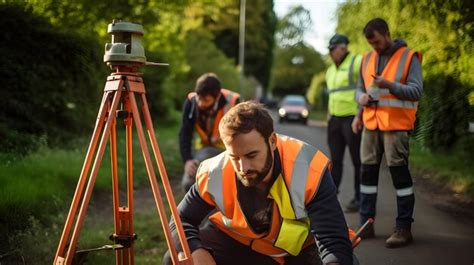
(389, 88)
(203, 109)
(270, 197)
(341, 80)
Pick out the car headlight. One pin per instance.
(305, 113)
(282, 112)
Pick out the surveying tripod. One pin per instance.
(119, 102)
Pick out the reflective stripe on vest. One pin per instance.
(389, 113)
(341, 84)
(290, 223)
(352, 84)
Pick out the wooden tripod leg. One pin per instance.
(123, 215)
(165, 179)
(82, 179)
(90, 185)
(153, 180)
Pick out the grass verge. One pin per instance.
(449, 168)
(37, 190)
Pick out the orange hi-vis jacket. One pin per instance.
(213, 138)
(302, 169)
(390, 113)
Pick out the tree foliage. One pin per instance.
(293, 26)
(443, 32)
(260, 27)
(176, 32)
(295, 62)
(50, 81)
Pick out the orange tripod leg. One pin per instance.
(123, 216)
(165, 180)
(60, 258)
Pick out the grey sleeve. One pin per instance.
(360, 88)
(413, 89)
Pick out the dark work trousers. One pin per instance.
(339, 136)
(402, 182)
(228, 251)
(394, 144)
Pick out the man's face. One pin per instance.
(337, 53)
(379, 42)
(251, 156)
(205, 103)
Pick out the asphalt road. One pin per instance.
(438, 237)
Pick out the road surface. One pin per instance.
(438, 237)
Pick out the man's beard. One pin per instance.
(207, 111)
(260, 175)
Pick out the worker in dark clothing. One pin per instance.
(202, 112)
(389, 88)
(267, 200)
(341, 79)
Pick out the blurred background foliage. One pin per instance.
(54, 70)
(443, 32)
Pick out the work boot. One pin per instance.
(352, 206)
(368, 233)
(401, 237)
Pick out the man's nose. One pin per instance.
(244, 165)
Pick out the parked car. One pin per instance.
(293, 108)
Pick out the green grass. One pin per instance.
(449, 168)
(37, 190)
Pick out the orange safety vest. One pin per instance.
(213, 138)
(390, 113)
(302, 169)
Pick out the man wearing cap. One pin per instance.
(341, 80)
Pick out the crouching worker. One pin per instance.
(202, 111)
(271, 196)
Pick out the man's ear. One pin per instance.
(273, 139)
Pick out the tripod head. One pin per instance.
(126, 52)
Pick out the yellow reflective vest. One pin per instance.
(341, 82)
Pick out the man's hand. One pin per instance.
(190, 167)
(357, 124)
(202, 257)
(382, 82)
(364, 99)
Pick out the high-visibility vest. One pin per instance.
(213, 138)
(390, 113)
(302, 169)
(341, 82)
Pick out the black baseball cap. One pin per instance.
(337, 39)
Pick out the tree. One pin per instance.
(260, 27)
(295, 61)
(293, 27)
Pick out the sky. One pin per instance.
(323, 14)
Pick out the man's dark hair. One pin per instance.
(376, 24)
(208, 85)
(245, 117)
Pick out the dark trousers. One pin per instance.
(340, 135)
(395, 146)
(401, 179)
(228, 251)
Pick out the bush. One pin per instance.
(50, 81)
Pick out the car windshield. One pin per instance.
(294, 101)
